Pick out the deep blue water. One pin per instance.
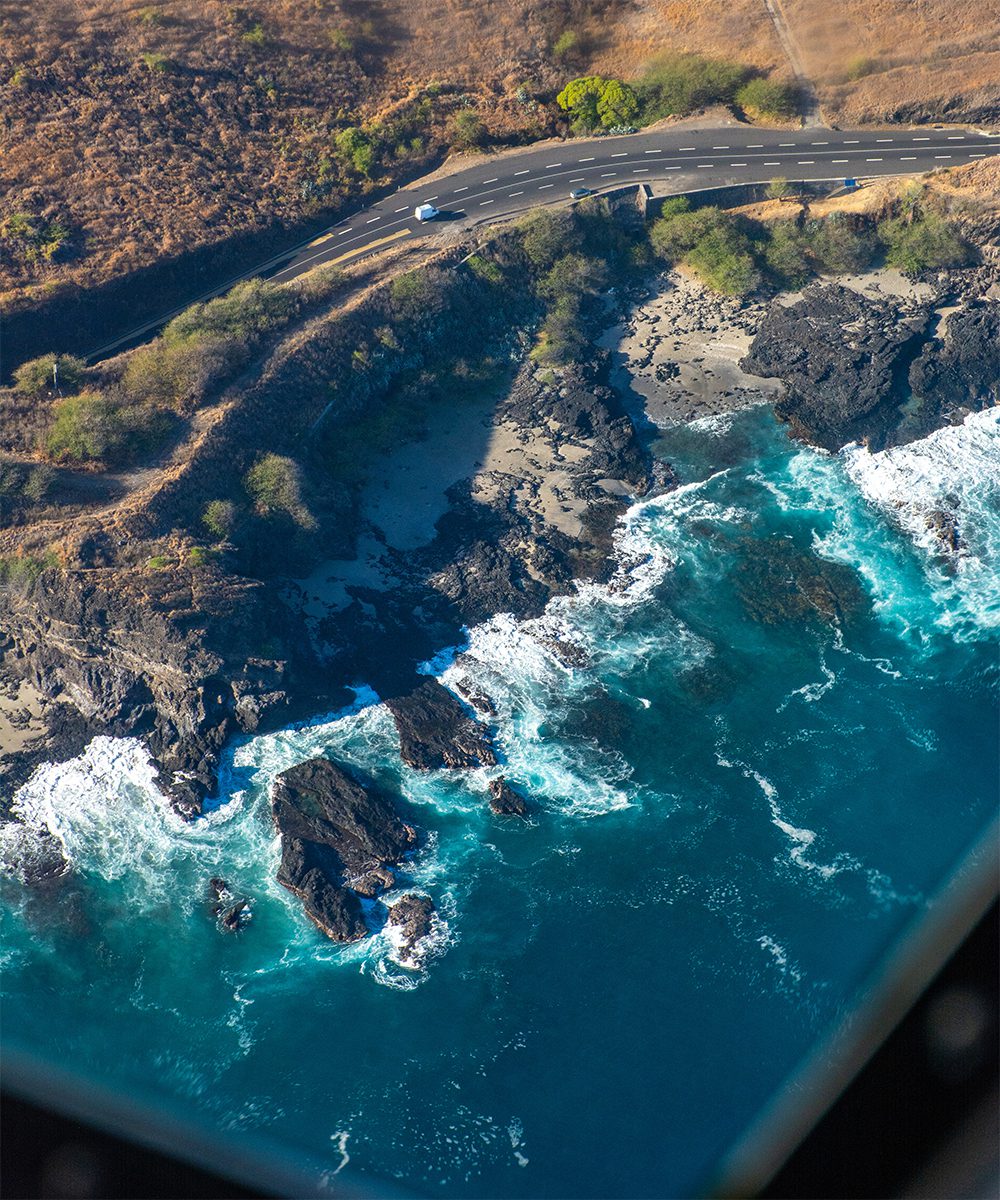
(735, 818)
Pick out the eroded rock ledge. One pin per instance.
(859, 369)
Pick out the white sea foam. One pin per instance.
(955, 470)
(801, 839)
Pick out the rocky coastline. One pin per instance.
(186, 661)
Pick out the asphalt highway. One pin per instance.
(687, 160)
(684, 160)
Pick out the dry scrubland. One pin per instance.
(134, 131)
(878, 60)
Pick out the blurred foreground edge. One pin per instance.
(903, 1100)
(65, 1139)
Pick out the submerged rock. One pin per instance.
(435, 731)
(778, 581)
(338, 841)
(410, 922)
(231, 911)
(32, 856)
(504, 801)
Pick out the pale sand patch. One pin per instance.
(679, 352)
(21, 716)
(882, 283)
(404, 497)
(530, 466)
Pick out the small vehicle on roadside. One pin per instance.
(425, 212)
(579, 193)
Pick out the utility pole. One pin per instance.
(55, 372)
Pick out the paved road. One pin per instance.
(687, 160)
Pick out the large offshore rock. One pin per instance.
(338, 841)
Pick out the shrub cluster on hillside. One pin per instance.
(735, 255)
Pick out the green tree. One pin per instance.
(466, 130)
(219, 518)
(579, 97)
(927, 242)
(842, 242)
(768, 98)
(545, 236)
(356, 148)
(93, 427)
(573, 275)
(274, 483)
(565, 44)
(38, 375)
(777, 188)
(786, 255)
(617, 104)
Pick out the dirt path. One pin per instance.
(811, 114)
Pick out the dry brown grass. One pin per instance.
(141, 163)
(924, 57)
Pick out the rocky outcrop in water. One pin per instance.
(410, 921)
(857, 369)
(338, 843)
(435, 731)
(955, 374)
(232, 912)
(504, 801)
(174, 656)
(843, 358)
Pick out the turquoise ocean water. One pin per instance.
(735, 817)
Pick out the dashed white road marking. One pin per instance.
(620, 154)
(608, 174)
(511, 195)
(782, 144)
(461, 189)
(525, 172)
(543, 186)
(755, 146)
(921, 139)
(372, 220)
(885, 139)
(819, 143)
(403, 209)
(956, 137)
(851, 141)
(652, 151)
(873, 160)
(806, 162)
(720, 147)
(907, 158)
(482, 202)
(737, 164)
(490, 180)
(344, 231)
(552, 166)
(687, 147)
(772, 164)
(838, 160)
(591, 159)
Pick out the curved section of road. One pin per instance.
(686, 160)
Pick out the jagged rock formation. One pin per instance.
(338, 843)
(175, 656)
(504, 801)
(410, 922)
(858, 369)
(843, 359)
(434, 730)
